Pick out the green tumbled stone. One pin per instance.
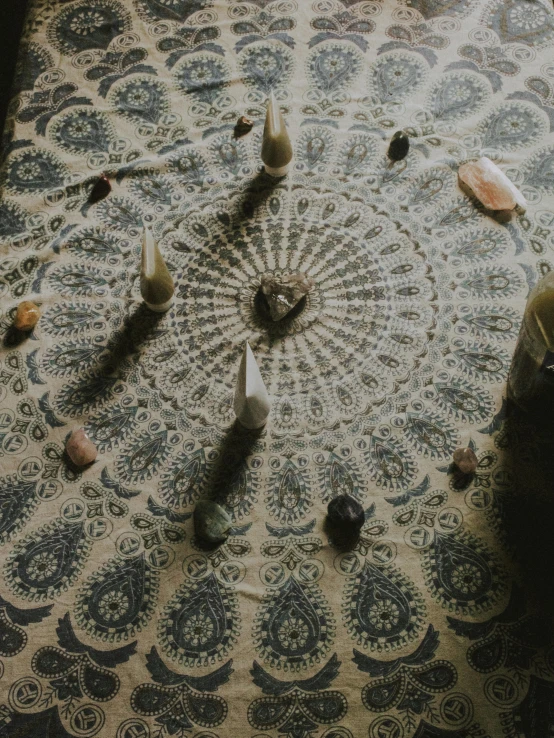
(399, 146)
(211, 522)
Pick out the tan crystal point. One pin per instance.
(466, 460)
(491, 186)
(276, 145)
(156, 283)
(251, 399)
(80, 449)
(285, 292)
(26, 316)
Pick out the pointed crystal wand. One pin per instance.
(156, 283)
(276, 145)
(251, 399)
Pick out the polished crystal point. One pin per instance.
(80, 449)
(399, 146)
(491, 186)
(285, 292)
(251, 402)
(26, 316)
(276, 145)
(211, 522)
(466, 460)
(156, 283)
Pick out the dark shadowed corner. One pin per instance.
(12, 14)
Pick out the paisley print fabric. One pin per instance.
(115, 621)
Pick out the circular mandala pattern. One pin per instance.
(383, 304)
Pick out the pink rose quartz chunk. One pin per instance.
(491, 186)
(80, 449)
(466, 460)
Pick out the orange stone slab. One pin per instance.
(27, 316)
(491, 186)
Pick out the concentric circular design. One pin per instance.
(355, 339)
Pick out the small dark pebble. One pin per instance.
(101, 189)
(243, 126)
(399, 146)
(345, 518)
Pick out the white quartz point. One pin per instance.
(251, 398)
(276, 145)
(491, 186)
(156, 283)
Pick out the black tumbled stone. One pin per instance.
(345, 518)
(399, 146)
(101, 189)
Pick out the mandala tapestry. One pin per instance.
(114, 620)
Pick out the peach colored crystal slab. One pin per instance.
(491, 186)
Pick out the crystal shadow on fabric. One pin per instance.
(235, 447)
(139, 327)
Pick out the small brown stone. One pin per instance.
(27, 316)
(243, 126)
(80, 449)
(466, 460)
(101, 189)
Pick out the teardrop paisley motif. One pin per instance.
(265, 67)
(289, 497)
(294, 627)
(118, 600)
(339, 477)
(183, 480)
(200, 623)
(397, 76)
(382, 609)
(108, 429)
(486, 656)
(392, 464)
(334, 67)
(141, 459)
(84, 395)
(431, 435)
(462, 574)
(47, 562)
(458, 95)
